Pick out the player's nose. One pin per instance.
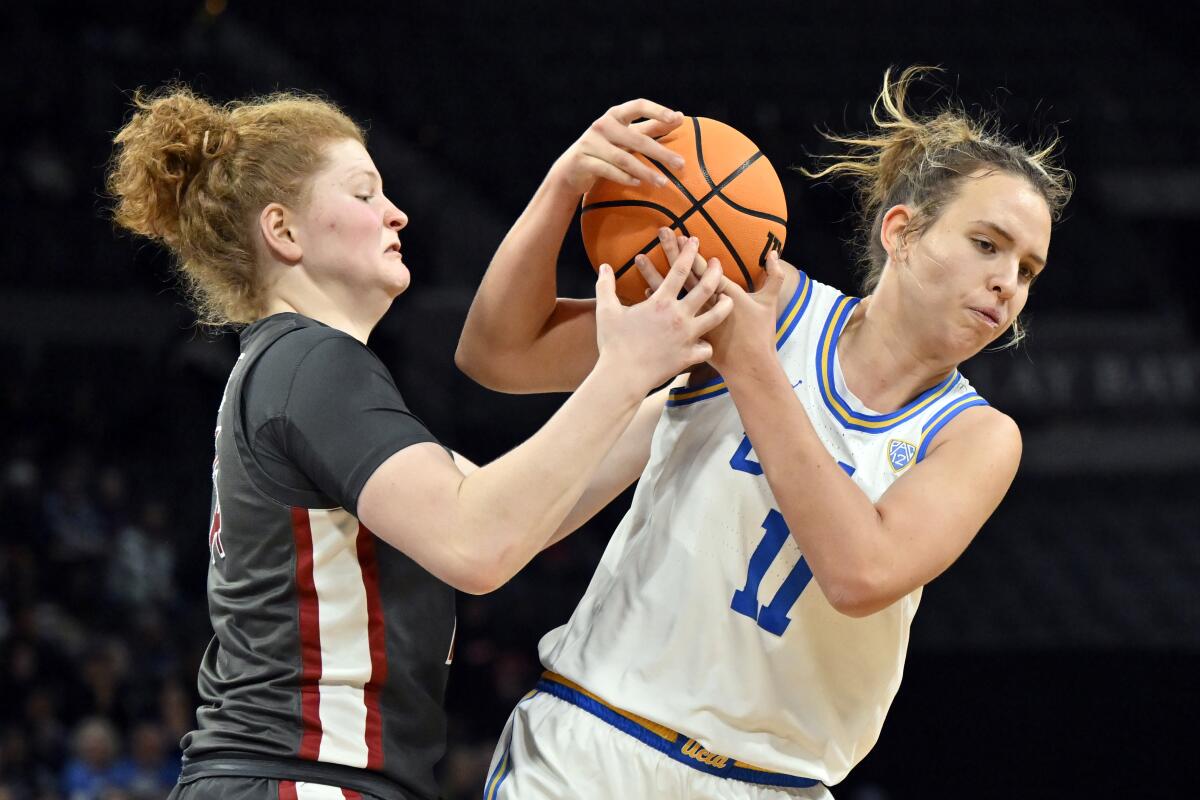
(1004, 282)
(394, 218)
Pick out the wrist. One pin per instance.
(749, 365)
(626, 382)
(558, 184)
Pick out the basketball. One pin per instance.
(727, 195)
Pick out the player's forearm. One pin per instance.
(834, 522)
(509, 509)
(519, 290)
(625, 461)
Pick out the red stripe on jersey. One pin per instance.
(377, 640)
(287, 790)
(310, 638)
(350, 794)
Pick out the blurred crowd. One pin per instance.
(94, 690)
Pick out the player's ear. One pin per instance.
(894, 230)
(275, 228)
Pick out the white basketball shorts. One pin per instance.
(563, 742)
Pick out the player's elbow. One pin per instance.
(858, 594)
(478, 583)
(485, 569)
(474, 576)
(473, 361)
(492, 367)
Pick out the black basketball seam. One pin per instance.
(729, 246)
(708, 179)
(751, 212)
(641, 203)
(668, 213)
(700, 153)
(698, 205)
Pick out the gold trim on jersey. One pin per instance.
(691, 747)
(839, 315)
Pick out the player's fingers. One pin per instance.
(670, 244)
(632, 165)
(637, 142)
(714, 315)
(653, 128)
(697, 297)
(699, 265)
(732, 290)
(775, 276)
(680, 268)
(630, 110)
(606, 290)
(646, 267)
(604, 169)
(701, 351)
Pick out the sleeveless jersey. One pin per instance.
(702, 615)
(331, 647)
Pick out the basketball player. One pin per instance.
(340, 527)
(745, 631)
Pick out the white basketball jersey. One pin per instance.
(703, 616)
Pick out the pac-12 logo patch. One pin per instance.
(900, 454)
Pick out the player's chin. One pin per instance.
(965, 343)
(398, 279)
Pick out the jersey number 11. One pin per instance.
(772, 617)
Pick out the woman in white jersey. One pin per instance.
(745, 631)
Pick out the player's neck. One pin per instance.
(328, 313)
(882, 364)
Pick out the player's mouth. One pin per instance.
(394, 247)
(989, 316)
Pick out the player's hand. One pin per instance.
(749, 330)
(751, 323)
(605, 150)
(671, 245)
(661, 336)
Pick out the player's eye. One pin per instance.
(985, 245)
(366, 198)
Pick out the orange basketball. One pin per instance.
(727, 195)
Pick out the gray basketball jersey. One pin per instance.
(331, 648)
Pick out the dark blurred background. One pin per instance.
(1058, 658)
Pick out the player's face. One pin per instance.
(975, 264)
(349, 231)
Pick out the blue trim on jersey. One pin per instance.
(948, 412)
(505, 773)
(493, 786)
(792, 313)
(673, 749)
(826, 351)
(491, 789)
(933, 419)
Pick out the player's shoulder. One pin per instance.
(982, 428)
